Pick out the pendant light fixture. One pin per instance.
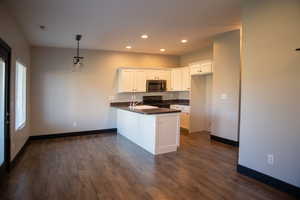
(77, 60)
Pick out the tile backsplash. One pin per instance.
(125, 97)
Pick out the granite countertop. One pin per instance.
(171, 102)
(148, 111)
(185, 102)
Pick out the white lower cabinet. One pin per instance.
(157, 134)
(184, 115)
(185, 120)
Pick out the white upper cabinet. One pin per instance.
(180, 79)
(186, 79)
(201, 68)
(151, 75)
(131, 80)
(176, 79)
(158, 75)
(165, 75)
(140, 81)
(126, 82)
(134, 80)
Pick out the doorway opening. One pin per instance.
(5, 56)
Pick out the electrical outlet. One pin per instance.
(110, 98)
(270, 159)
(74, 124)
(224, 96)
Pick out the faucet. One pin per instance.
(133, 101)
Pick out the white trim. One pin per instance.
(20, 93)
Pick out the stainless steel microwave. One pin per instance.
(156, 85)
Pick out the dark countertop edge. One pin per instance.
(155, 111)
(170, 101)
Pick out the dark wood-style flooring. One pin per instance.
(107, 166)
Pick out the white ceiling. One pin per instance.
(113, 24)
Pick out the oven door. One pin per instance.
(156, 85)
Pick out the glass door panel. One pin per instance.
(2, 111)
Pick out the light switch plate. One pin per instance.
(74, 124)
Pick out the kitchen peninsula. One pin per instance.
(156, 130)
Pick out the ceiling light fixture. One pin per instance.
(144, 36)
(184, 41)
(162, 50)
(77, 60)
(128, 47)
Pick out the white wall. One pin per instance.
(201, 54)
(60, 97)
(11, 34)
(226, 83)
(270, 109)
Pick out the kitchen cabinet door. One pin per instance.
(167, 127)
(140, 81)
(126, 81)
(185, 120)
(201, 68)
(152, 75)
(158, 74)
(206, 68)
(176, 80)
(165, 75)
(186, 79)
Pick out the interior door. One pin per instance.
(4, 107)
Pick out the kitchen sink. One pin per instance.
(144, 107)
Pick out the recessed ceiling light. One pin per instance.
(184, 41)
(144, 36)
(128, 47)
(162, 50)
